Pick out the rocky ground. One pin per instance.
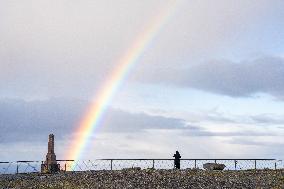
(149, 178)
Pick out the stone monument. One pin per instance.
(50, 165)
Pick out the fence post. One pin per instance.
(235, 164)
(17, 168)
(195, 163)
(255, 164)
(275, 165)
(153, 164)
(215, 161)
(111, 164)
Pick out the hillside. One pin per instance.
(135, 178)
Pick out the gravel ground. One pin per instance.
(149, 178)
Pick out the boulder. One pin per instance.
(132, 169)
(213, 166)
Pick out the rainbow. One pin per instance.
(95, 111)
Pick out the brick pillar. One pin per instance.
(51, 144)
(50, 165)
(50, 156)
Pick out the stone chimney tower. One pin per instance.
(50, 165)
(50, 156)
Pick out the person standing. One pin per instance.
(177, 160)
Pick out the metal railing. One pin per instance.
(119, 164)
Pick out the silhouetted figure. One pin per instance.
(177, 160)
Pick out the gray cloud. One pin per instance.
(27, 123)
(254, 142)
(263, 75)
(33, 121)
(259, 119)
(121, 121)
(201, 132)
(268, 119)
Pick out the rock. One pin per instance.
(214, 166)
(132, 169)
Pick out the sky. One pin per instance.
(209, 83)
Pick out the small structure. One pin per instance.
(214, 166)
(50, 165)
(177, 160)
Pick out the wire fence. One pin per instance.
(18, 167)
